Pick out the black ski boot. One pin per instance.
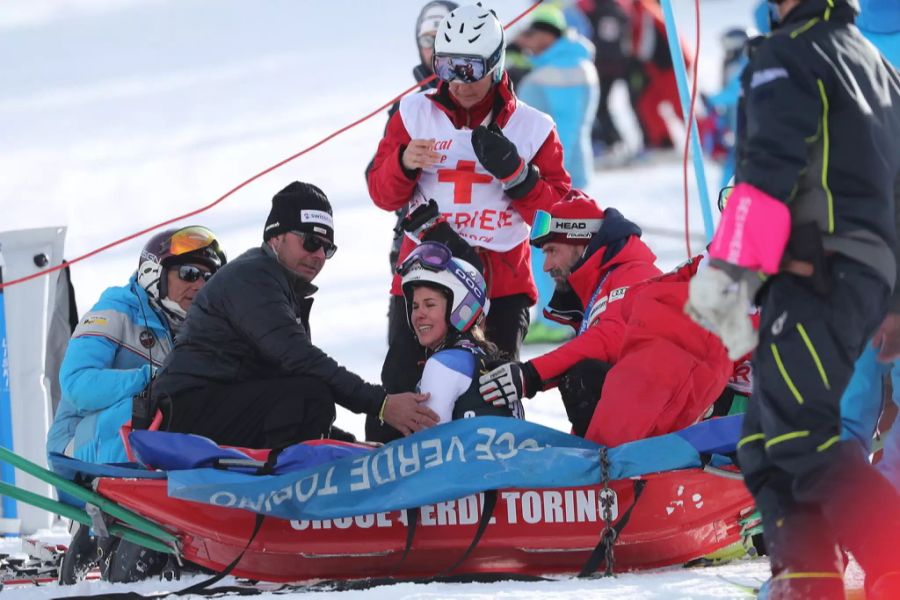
(806, 561)
(80, 557)
(130, 562)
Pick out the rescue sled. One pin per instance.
(540, 527)
(679, 516)
(662, 518)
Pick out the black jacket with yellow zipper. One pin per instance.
(819, 129)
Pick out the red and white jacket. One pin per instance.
(605, 283)
(469, 197)
(667, 369)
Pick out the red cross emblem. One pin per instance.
(463, 177)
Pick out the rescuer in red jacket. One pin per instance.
(639, 366)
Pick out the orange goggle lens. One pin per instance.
(190, 239)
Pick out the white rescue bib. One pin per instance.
(470, 198)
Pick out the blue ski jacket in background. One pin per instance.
(564, 84)
(879, 21)
(110, 358)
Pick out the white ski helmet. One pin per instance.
(432, 264)
(470, 31)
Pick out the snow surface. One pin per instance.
(118, 114)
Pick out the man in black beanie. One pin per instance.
(244, 371)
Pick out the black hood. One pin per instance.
(613, 235)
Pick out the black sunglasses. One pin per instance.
(312, 243)
(190, 273)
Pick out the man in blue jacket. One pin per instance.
(112, 356)
(123, 339)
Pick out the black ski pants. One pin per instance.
(270, 413)
(812, 489)
(580, 388)
(506, 326)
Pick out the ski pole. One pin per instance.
(75, 514)
(104, 504)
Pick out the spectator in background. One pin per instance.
(718, 127)
(562, 83)
(612, 41)
(652, 80)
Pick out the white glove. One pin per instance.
(722, 304)
(504, 386)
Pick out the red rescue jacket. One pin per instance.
(669, 370)
(602, 340)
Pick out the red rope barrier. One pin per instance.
(241, 185)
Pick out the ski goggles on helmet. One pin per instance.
(724, 194)
(190, 273)
(545, 227)
(312, 243)
(191, 239)
(464, 67)
(197, 241)
(428, 255)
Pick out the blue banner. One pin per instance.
(439, 464)
(7, 472)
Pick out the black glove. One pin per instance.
(501, 158)
(423, 218)
(509, 383)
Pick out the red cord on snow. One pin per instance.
(241, 185)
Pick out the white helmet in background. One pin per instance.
(469, 32)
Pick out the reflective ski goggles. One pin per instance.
(545, 226)
(433, 256)
(458, 67)
(312, 243)
(190, 273)
(724, 194)
(191, 239)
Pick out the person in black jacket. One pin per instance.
(815, 208)
(244, 371)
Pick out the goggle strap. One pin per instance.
(571, 228)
